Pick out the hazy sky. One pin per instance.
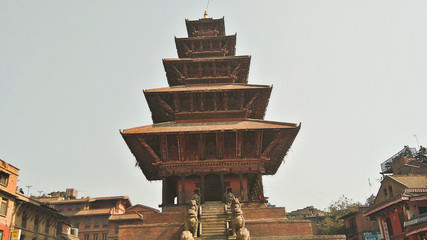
(353, 72)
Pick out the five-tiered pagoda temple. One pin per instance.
(209, 134)
(209, 131)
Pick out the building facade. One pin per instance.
(8, 180)
(27, 218)
(359, 227)
(89, 215)
(400, 207)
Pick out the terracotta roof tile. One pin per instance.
(411, 181)
(170, 127)
(207, 88)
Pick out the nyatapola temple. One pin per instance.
(209, 141)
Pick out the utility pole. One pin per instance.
(28, 187)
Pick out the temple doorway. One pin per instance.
(213, 188)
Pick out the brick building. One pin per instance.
(27, 217)
(8, 180)
(401, 203)
(89, 215)
(315, 216)
(359, 227)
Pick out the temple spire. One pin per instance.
(205, 15)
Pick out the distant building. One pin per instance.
(90, 215)
(25, 216)
(406, 161)
(358, 227)
(133, 216)
(308, 213)
(401, 203)
(8, 181)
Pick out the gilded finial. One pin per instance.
(205, 15)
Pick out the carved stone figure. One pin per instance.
(237, 221)
(186, 235)
(229, 196)
(191, 222)
(196, 197)
(193, 205)
(235, 205)
(243, 234)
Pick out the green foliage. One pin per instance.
(332, 224)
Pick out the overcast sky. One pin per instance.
(353, 72)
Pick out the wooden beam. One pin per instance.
(164, 147)
(225, 99)
(220, 145)
(258, 143)
(202, 146)
(176, 102)
(273, 143)
(181, 145)
(191, 102)
(239, 144)
(149, 149)
(251, 102)
(164, 104)
(202, 102)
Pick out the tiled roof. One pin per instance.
(411, 181)
(170, 127)
(126, 216)
(82, 200)
(101, 211)
(207, 88)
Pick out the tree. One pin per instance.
(332, 224)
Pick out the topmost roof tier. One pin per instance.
(205, 27)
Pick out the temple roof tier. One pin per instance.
(174, 127)
(170, 145)
(205, 27)
(207, 71)
(206, 46)
(215, 102)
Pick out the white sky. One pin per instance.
(353, 72)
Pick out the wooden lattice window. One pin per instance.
(210, 146)
(230, 145)
(191, 147)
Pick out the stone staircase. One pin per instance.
(213, 221)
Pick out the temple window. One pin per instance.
(172, 147)
(233, 101)
(197, 102)
(191, 147)
(210, 146)
(209, 102)
(185, 102)
(230, 145)
(249, 146)
(220, 102)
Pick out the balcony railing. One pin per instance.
(416, 220)
(386, 165)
